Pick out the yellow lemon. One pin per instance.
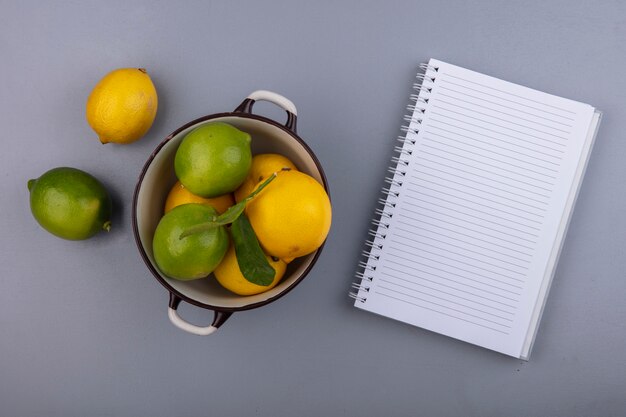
(122, 106)
(180, 195)
(263, 165)
(291, 217)
(229, 275)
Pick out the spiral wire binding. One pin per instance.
(375, 234)
(383, 213)
(424, 66)
(398, 172)
(388, 192)
(399, 162)
(390, 180)
(396, 160)
(404, 139)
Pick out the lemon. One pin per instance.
(291, 217)
(194, 256)
(70, 203)
(263, 165)
(213, 159)
(230, 277)
(180, 195)
(122, 106)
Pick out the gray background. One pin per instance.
(83, 326)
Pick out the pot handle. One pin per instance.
(218, 319)
(275, 98)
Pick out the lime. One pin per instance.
(194, 256)
(213, 159)
(70, 203)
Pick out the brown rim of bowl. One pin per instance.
(144, 256)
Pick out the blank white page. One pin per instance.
(474, 207)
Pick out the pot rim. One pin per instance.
(135, 226)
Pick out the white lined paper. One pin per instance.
(488, 170)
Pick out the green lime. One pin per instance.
(213, 159)
(194, 256)
(70, 203)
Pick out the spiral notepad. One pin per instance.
(468, 231)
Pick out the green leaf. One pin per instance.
(203, 227)
(250, 257)
(229, 215)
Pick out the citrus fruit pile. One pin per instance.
(243, 218)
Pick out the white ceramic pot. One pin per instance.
(158, 177)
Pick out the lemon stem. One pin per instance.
(107, 225)
(30, 184)
(229, 215)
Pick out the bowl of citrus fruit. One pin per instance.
(231, 211)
